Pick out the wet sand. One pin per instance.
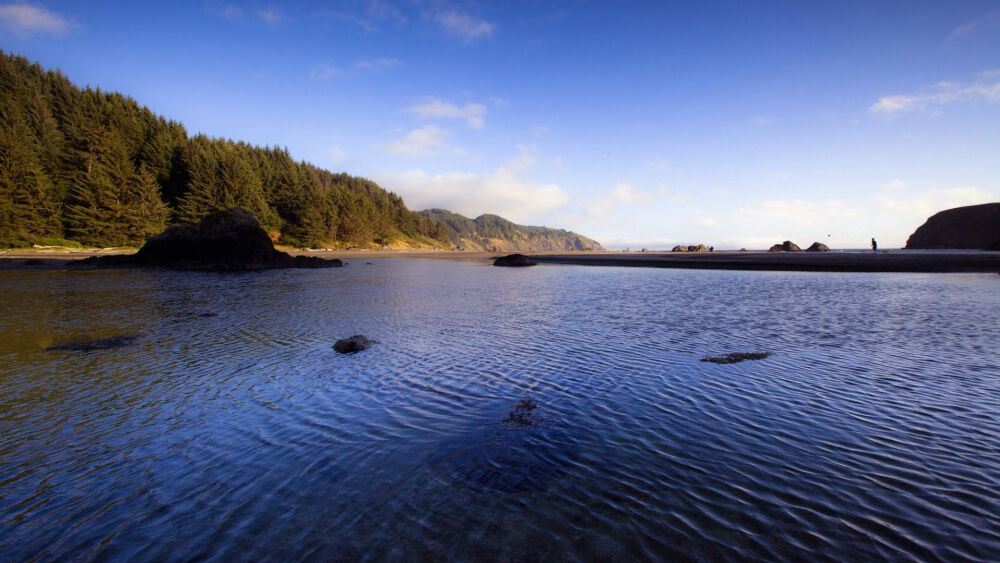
(892, 261)
(886, 261)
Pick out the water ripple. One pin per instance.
(231, 429)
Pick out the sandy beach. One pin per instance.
(886, 261)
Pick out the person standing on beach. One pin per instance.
(874, 246)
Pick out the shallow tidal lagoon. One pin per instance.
(549, 412)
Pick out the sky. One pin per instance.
(640, 124)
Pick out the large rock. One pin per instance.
(225, 241)
(514, 261)
(973, 227)
(818, 247)
(787, 246)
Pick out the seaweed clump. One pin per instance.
(736, 357)
(523, 414)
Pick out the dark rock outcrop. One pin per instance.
(787, 246)
(355, 343)
(224, 241)
(818, 247)
(515, 261)
(971, 227)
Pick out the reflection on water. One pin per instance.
(230, 428)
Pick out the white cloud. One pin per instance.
(23, 18)
(625, 194)
(985, 87)
(507, 191)
(270, 16)
(464, 26)
(707, 222)
(325, 72)
(894, 184)
(436, 108)
(916, 208)
(425, 141)
(969, 27)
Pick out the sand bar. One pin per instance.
(888, 261)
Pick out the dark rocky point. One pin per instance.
(974, 227)
(787, 246)
(818, 247)
(515, 261)
(355, 343)
(736, 357)
(98, 344)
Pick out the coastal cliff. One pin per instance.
(492, 233)
(971, 227)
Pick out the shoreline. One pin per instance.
(900, 261)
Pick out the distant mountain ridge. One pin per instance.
(492, 233)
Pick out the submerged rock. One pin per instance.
(736, 357)
(97, 344)
(818, 247)
(523, 414)
(515, 261)
(787, 246)
(970, 227)
(355, 343)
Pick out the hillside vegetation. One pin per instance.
(496, 234)
(96, 168)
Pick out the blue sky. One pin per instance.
(734, 124)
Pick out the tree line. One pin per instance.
(96, 168)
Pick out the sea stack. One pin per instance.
(975, 227)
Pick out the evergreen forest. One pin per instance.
(85, 167)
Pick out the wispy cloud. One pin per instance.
(369, 15)
(436, 108)
(464, 26)
(271, 16)
(798, 212)
(917, 207)
(232, 13)
(25, 19)
(984, 87)
(625, 194)
(971, 26)
(326, 72)
(508, 191)
(425, 141)
(377, 64)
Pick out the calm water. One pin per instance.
(230, 429)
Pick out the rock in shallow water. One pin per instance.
(514, 261)
(355, 343)
(97, 344)
(736, 357)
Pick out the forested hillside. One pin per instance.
(96, 168)
(496, 234)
